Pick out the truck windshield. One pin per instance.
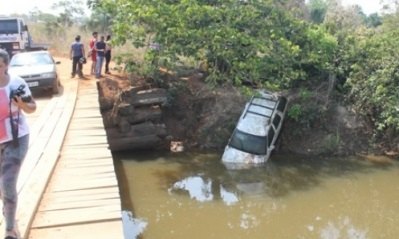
(248, 143)
(9, 26)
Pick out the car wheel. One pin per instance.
(56, 87)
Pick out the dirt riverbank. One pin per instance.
(201, 117)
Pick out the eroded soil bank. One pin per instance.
(186, 110)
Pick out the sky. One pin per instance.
(368, 6)
(26, 6)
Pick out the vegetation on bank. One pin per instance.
(287, 45)
(277, 45)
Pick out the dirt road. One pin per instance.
(64, 70)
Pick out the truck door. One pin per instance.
(25, 39)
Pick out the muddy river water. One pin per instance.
(194, 196)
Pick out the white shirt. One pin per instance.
(5, 126)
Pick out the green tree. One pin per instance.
(242, 42)
(373, 20)
(374, 77)
(318, 10)
(100, 19)
(70, 9)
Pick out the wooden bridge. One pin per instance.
(67, 185)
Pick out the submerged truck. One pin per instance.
(15, 36)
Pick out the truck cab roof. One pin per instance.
(257, 114)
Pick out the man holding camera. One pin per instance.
(15, 98)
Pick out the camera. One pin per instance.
(20, 91)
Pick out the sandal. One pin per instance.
(10, 237)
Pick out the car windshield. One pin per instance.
(248, 143)
(31, 59)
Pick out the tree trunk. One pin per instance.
(145, 114)
(149, 97)
(137, 130)
(131, 143)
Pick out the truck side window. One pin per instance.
(282, 103)
(270, 136)
(276, 120)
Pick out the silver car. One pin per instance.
(256, 132)
(37, 68)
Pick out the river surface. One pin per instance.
(194, 196)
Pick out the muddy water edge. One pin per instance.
(193, 195)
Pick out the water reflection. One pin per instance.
(274, 179)
(198, 188)
(343, 229)
(228, 198)
(286, 198)
(132, 227)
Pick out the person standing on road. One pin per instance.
(108, 49)
(76, 53)
(15, 98)
(100, 50)
(92, 53)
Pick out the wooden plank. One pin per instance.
(84, 185)
(113, 229)
(77, 216)
(88, 173)
(73, 167)
(89, 132)
(60, 196)
(83, 155)
(85, 158)
(87, 167)
(80, 126)
(88, 113)
(80, 204)
(85, 140)
(87, 121)
(88, 146)
(85, 149)
(90, 177)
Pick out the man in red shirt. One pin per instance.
(92, 53)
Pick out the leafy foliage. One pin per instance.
(318, 9)
(241, 42)
(69, 9)
(374, 79)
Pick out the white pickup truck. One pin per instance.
(256, 132)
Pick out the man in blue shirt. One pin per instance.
(100, 49)
(77, 51)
